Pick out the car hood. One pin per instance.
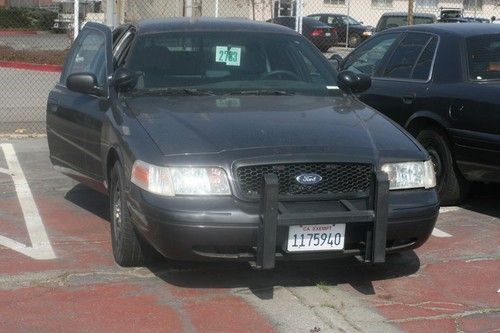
(214, 124)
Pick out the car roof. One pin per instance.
(328, 14)
(306, 20)
(459, 30)
(208, 24)
(406, 14)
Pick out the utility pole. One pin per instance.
(76, 21)
(411, 4)
(110, 13)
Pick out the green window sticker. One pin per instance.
(231, 56)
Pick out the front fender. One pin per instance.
(443, 122)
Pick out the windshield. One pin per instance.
(224, 62)
(484, 57)
(349, 20)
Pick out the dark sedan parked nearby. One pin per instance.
(442, 83)
(230, 139)
(319, 33)
(342, 24)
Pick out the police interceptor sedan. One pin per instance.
(234, 140)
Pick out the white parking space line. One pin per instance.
(40, 245)
(440, 233)
(448, 209)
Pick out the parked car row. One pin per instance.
(441, 82)
(347, 30)
(320, 34)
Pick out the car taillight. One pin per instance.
(317, 32)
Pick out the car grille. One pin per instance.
(337, 178)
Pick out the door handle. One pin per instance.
(454, 110)
(408, 99)
(52, 105)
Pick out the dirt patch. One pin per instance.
(50, 57)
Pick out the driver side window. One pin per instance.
(89, 56)
(368, 57)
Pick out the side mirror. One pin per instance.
(335, 60)
(85, 83)
(361, 22)
(124, 79)
(353, 83)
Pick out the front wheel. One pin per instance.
(354, 40)
(452, 187)
(128, 248)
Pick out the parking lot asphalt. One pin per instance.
(57, 272)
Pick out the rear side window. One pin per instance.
(412, 59)
(483, 54)
(423, 67)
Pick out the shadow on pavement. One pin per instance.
(484, 199)
(90, 200)
(287, 274)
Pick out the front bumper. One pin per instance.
(225, 228)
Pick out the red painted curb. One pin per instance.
(30, 66)
(4, 33)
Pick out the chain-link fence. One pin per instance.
(35, 35)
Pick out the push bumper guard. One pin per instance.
(274, 214)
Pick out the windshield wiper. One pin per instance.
(263, 92)
(172, 91)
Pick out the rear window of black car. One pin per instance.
(483, 53)
(226, 61)
(399, 21)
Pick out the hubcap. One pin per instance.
(117, 209)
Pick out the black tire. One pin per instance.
(354, 40)
(452, 187)
(129, 249)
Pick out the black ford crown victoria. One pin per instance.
(442, 83)
(229, 139)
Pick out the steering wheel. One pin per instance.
(280, 72)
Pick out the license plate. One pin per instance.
(316, 237)
(328, 34)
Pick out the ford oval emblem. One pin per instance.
(308, 179)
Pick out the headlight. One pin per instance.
(410, 175)
(170, 181)
(367, 33)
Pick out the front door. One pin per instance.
(400, 87)
(72, 116)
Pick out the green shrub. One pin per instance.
(26, 18)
